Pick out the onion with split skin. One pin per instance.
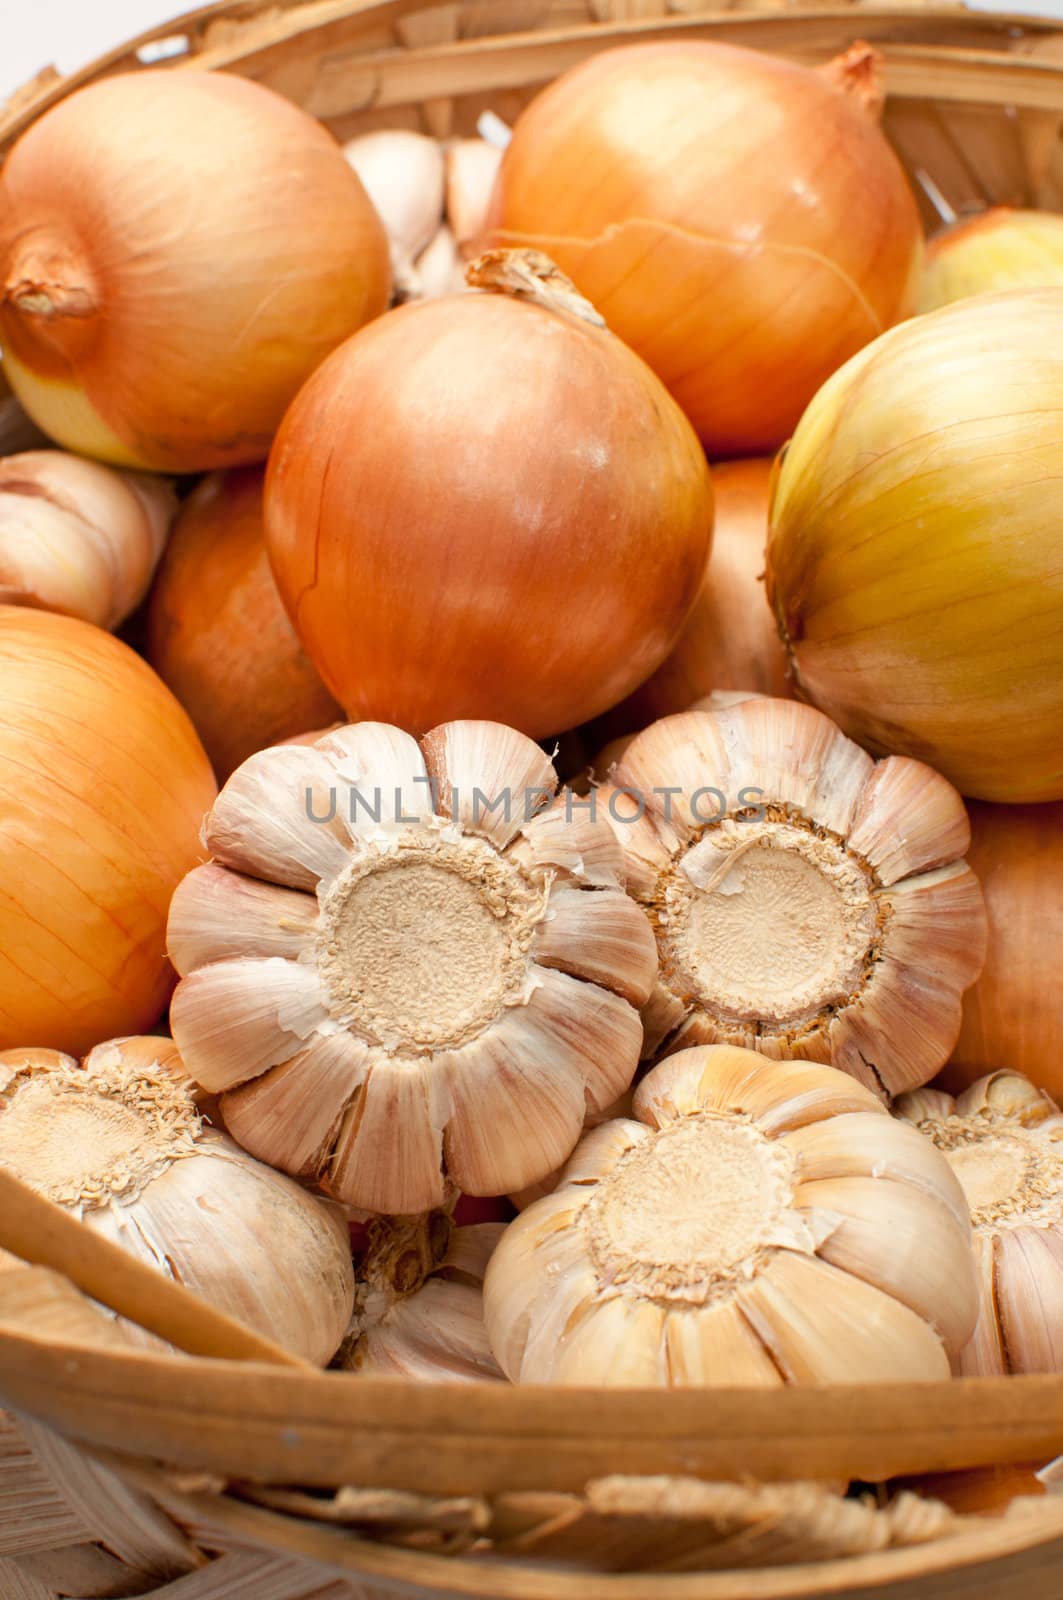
(486, 506)
(218, 634)
(739, 220)
(178, 252)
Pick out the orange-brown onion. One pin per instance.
(103, 790)
(739, 220)
(730, 640)
(218, 634)
(915, 558)
(1013, 1016)
(480, 508)
(178, 252)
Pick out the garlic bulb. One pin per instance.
(79, 537)
(405, 964)
(998, 249)
(119, 1140)
(435, 1332)
(402, 172)
(807, 902)
(471, 169)
(1003, 1139)
(439, 270)
(757, 1224)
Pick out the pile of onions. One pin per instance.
(739, 220)
(103, 789)
(178, 252)
(998, 249)
(1013, 1016)
(218, 634)
(730, 640)
(484, 508)
(915, 560)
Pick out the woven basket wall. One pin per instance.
(189, 1479)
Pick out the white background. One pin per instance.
(70, 33)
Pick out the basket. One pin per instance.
(131, 1473)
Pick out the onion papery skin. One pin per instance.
(730, 640)
(218, 634)
(739, 220)
(1000, 249)
(1013, 1016)
(915, 559)
(103, 789)
(178, 252)
(480, 508)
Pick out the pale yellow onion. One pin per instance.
(178, 252)
(915, 559)
(998, 249)
(79, 537)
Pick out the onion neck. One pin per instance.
(531, 275)
(51, 291)
(857, 72)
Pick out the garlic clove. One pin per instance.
(921, 1105)
(235, 1019)
(674, 766)
(715, 1344)
(490, 778)
(517, 1097)
(554, 1320)
(915, 1010)
(571, 837)
(600, 1149)
(984, 1356)
(1029, 1283)
(715, 1078)
(436, 1335)
(439, 269)
(901, 1240)
(403, 174)
(1007, 1094)
(617, 1343)
(610, 942)
(518, 1280)
(471, 169)
(943, 910)
(936, 828)
(663, 1018)
(644, 851)
(291, 1115)
(389, 1150)
(278, 818)
(785, 751)
(381, 777)
(216, 915)
(861, 1144)
(822, 1325)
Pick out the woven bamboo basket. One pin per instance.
(220, 1475)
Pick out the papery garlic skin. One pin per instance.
(1001, 248)
(405, 967)
(78, 537)
(119, 1141)
(1003, 1138)
(807, 902)
(757, 1224)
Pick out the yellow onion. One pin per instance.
(218, 634)
(729, 641)
(178, 252)
(103, 789)
(486, 506)
(739, 220)
(915, 560)
(1013, 1016)
(998, 249)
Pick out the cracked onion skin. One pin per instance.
(178, 252)
(481, 508)
(737, 219)
(915, 557)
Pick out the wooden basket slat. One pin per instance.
(85, 1571)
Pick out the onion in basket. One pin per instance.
(739, 220)
(390, 985)
(482, 507)
(916, 553)
(807, 902)
(998, 249)
(1003, 1139)
(119, 1140)
(178, 252)
(218, 634)
(103, 789)
(757, 1223)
